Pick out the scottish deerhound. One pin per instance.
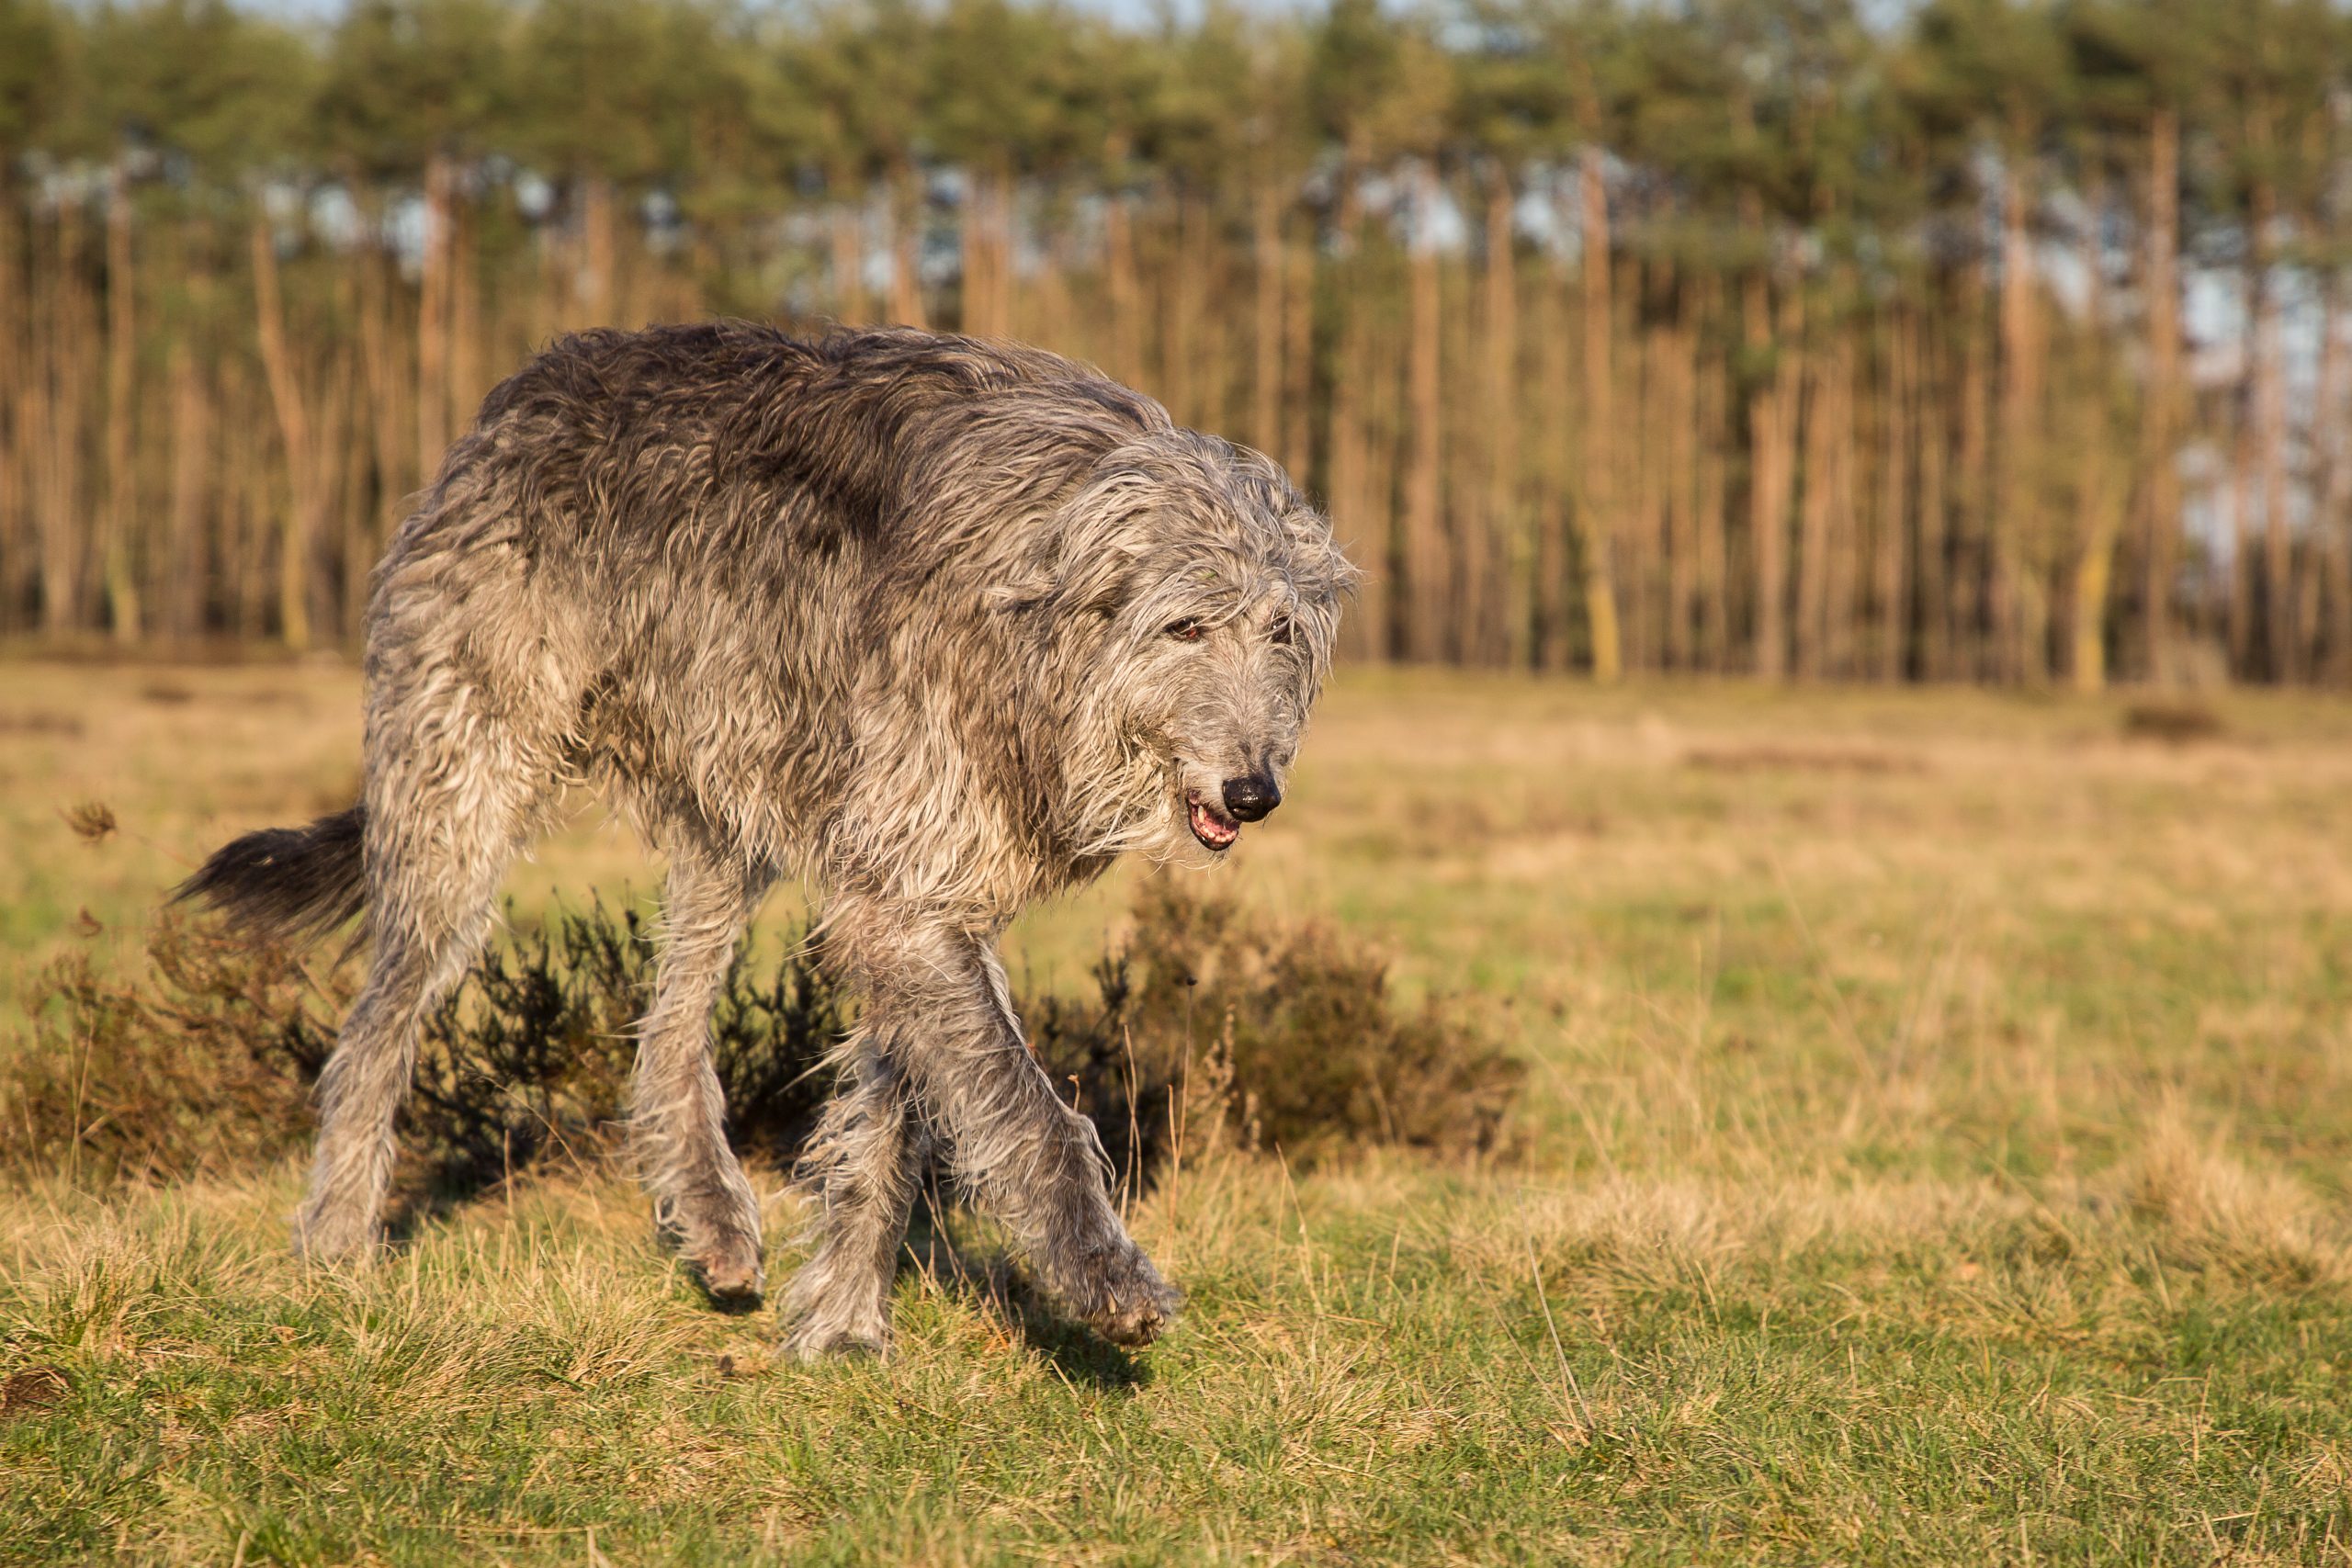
(942, 626)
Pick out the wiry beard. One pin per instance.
(1124, 807)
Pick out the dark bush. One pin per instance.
(2173, 723)
(1239, 1028)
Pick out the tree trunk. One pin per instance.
(294, 431)
(64, 329)
(1841, 581)
(2101, 521)
(468, 334)
(1363, 525)
(1814, 514)
(1714, 438)
(2270, 434)
(974, 292)
(2240, 517)
(2103, 495)
(1892, 589)
(1426, 586)
(433, 314)
(2017, 528)
(1298, 360)
(2332, 528)
(599, 274)
(1554, 427)
(848, 259)
(1508, 584)
(1598, 512)
(2160, 410)
(116, 551)
(1772, 419)
(1266, 336)
(1969, 600)
(191, 476)
(906, 241)
(1933, 556)
(1684, 475)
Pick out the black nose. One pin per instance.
(1251, 798)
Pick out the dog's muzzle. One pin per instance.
(1211, 824)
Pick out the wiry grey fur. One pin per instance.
(943, 626)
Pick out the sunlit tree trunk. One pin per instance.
(2332, 528)
(906, 241)
(1814, 512)
(1715, 440)
(1294, 424)
(1266, 335)
(1933, 557)
(117, 548)
(1893, 584)
(294, 430)
(599, 274)
(433, 312)
(2160, 404)
(1772, 418)
(1427, 585)
(2103, 490)
(1971, 588)
(1597, 537)
(62, 330)
(1685, 479)
(191, 478)
(2239, 494)
(1557, 451)
(1510, 585)
(2017, 528)
(1363, 525)
(848, 259)
(2270, 433)
(16, 582)
(467, 330)
(1842, 582)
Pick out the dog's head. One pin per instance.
(1196, 594)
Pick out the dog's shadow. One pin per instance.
(983, 1276)
(987, 1278)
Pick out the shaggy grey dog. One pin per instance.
(942, 626)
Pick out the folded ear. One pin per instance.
(1083, 557)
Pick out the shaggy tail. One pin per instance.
(288, 886)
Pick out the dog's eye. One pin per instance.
(1186, 630)
(1279, 631)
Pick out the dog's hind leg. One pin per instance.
(865, 1165)
(702, 1200)
(450, 793)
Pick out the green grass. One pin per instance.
(1936, 1151)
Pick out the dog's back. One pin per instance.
(744, 444)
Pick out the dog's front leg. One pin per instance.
(938, 1013)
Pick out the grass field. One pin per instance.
(1938, 1149)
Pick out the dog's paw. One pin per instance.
(730, 1274)
(809, 1343)
(1127, 1302)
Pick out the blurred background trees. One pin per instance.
(1995, 340)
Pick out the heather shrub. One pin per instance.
(1207, 1026)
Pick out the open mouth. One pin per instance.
(1210, 824)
